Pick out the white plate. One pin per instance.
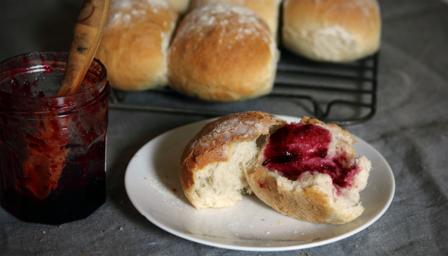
(153, 186)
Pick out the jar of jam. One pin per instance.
(52, 148)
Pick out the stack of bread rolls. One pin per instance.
(225, 50)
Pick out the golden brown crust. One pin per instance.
(133, 46)
(222, 53)
(265, 9)
(359, 18)
(310, 120)
(209, 144)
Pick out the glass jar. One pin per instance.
(52, 148)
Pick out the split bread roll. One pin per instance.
(222, 53)
(309, 177)
(214, 162)
(135, 43)
(307, 170)
(266, 9)
(332, 30)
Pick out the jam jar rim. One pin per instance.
(59, 104)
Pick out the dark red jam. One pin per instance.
(52, 149)
(298, 148)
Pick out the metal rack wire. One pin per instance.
(326, 87)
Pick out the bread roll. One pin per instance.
(266, 9)
(332, 30)
(179, 5)
(135, 43)
(222, 53)
(307, 170)
(318, 182)
(214, 161)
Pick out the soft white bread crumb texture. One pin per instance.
(214, 162)
(221, 184)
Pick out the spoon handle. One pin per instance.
(87, 37)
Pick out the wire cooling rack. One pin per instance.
(341, 93)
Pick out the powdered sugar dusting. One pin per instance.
(229, 19)
(332, 42)
(365, 6)
(336, 32)
(231, 128)
(124, 12)
(128, 3)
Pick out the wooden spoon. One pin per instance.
(46, 158)
(87, 37)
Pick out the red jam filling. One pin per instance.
(52, 149)
(298, 148)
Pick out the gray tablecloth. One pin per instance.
(410, 129)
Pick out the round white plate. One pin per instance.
(152, 183)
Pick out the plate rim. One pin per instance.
(189, 237)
